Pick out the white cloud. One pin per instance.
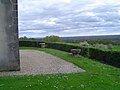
(33, 31)
(51, 21)
(48, 21)
(90, 14)
(68, 31)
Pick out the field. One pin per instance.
(98, 76)
(116, 48)
(107, 39)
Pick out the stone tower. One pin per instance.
(9, 45)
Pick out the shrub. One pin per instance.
(85, 43)
(67, 47)
(23, 43)
(108, 57)
(102, 46)
(110, 46)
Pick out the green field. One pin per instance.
(98, 76)
(116, 48)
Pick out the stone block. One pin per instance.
(9, 47)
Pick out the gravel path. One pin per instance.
(37, 62)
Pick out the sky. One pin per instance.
(65, 18)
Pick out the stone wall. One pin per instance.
(9, 47)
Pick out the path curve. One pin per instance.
(38, 62)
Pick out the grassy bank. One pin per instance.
(98, 76)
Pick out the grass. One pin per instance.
(116, 48)
(98, 76)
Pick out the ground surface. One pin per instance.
(98, 76)
(37, 62)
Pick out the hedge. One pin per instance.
(23, 43)
(67, 47)
(108, 57)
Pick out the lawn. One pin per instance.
(98, 76)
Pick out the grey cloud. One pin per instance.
(105, 19)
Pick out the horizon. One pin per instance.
(75, 36)
(68, 18)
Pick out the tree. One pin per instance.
(26, 38)
(52, 38)
(23, 38)
(110, 46)
(85, 43)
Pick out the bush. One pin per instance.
(52, 38)
(110, 46)
(85, 43)
(113, 58)
(108, 57)
(102, 46)
(24, 43)
(67, 47)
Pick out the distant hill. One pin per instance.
(106, 39)
(113, 39)
(94, 37)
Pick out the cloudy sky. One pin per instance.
(40, 18)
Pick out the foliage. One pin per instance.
(100, 46)
(108, 57)
(85, 43)
(23, 43)
(67, 47)
(110, 46)
(52, 38)
(26, 38)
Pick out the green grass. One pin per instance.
(116, 48)
(98, 76)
